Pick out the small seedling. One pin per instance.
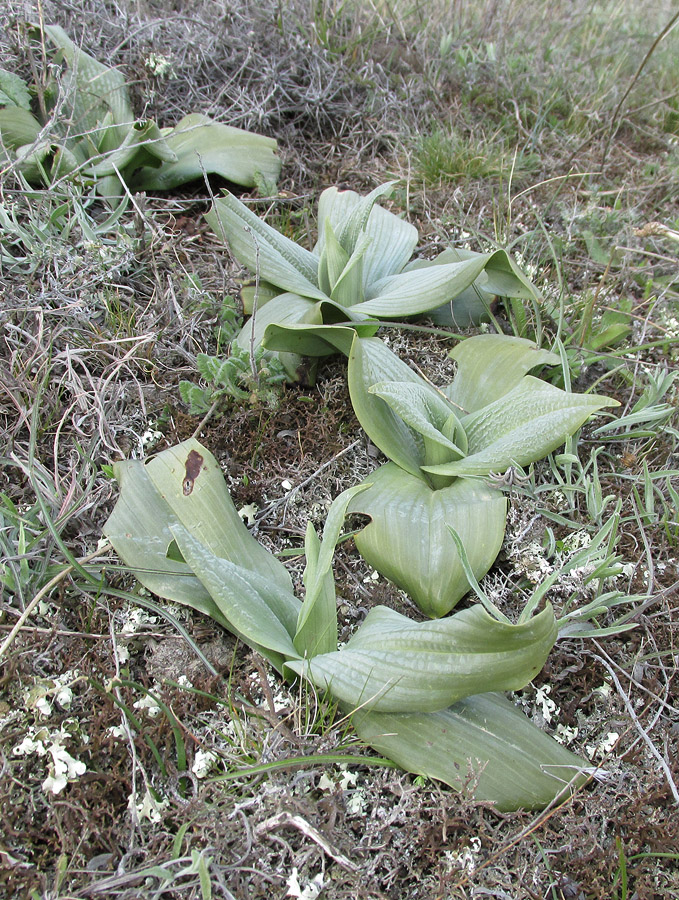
(237, 376)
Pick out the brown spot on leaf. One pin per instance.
(194, 462)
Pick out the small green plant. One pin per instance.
(25, 566)
(238, 376)
(86, 132)
(441, 157)
(358, 271)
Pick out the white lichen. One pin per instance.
(62, 766)
(203, 763)
(309, 892)
(148, 807)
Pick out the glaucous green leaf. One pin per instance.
(142, 142)
(283, 309)
(372, 362)
(262, 249)
(34, 161)
(333, 259)
(408, 542)
(190, 481)
(261, 611)
(93, 90)
(392, 240)
(347, 290)
(490, 365)
(393, 664)
(252, 291)
(414, 292)
(356, 223)
(471, 307)
(18, 127)
(315, 340)
(526, 424)
(334, 208)
(317, 624)
(426, 411)
(200, 145)
(139, 530)
(482, 746)
(505, 278)
(13, 90)
(500, 277)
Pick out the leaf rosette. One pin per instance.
(311, 302)
(442, 444)
(89, 134)
(417, 691)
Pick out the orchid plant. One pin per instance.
(87, 132)
(177, 529)
(359, 272)
(442, 445)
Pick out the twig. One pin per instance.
(286, 818)
(91, 636)
(640, 728)
(298, 487)
(206, 418)
(613, 130)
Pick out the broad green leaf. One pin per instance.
(143, 140)
(315, 340)
(189, 479)
(482, 746)
(18, 127)
(201, 145)
(93, 90)
(393, 664)
(13, 90)
(471, 307)
(139, 530)
(526, 424)
(334, 208)
(284, 309)
(317, 624)
(262, 249)
(414, 292)
(356, 222)
(408, 542)
(348, 288)
(426, 411)
(65, 163)
(34, 161)
(501, 276)
(490, 365)
(392, 240)
(372, 362)
(334, 257)
(505, 278)
(262, 612)
(261, 291)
